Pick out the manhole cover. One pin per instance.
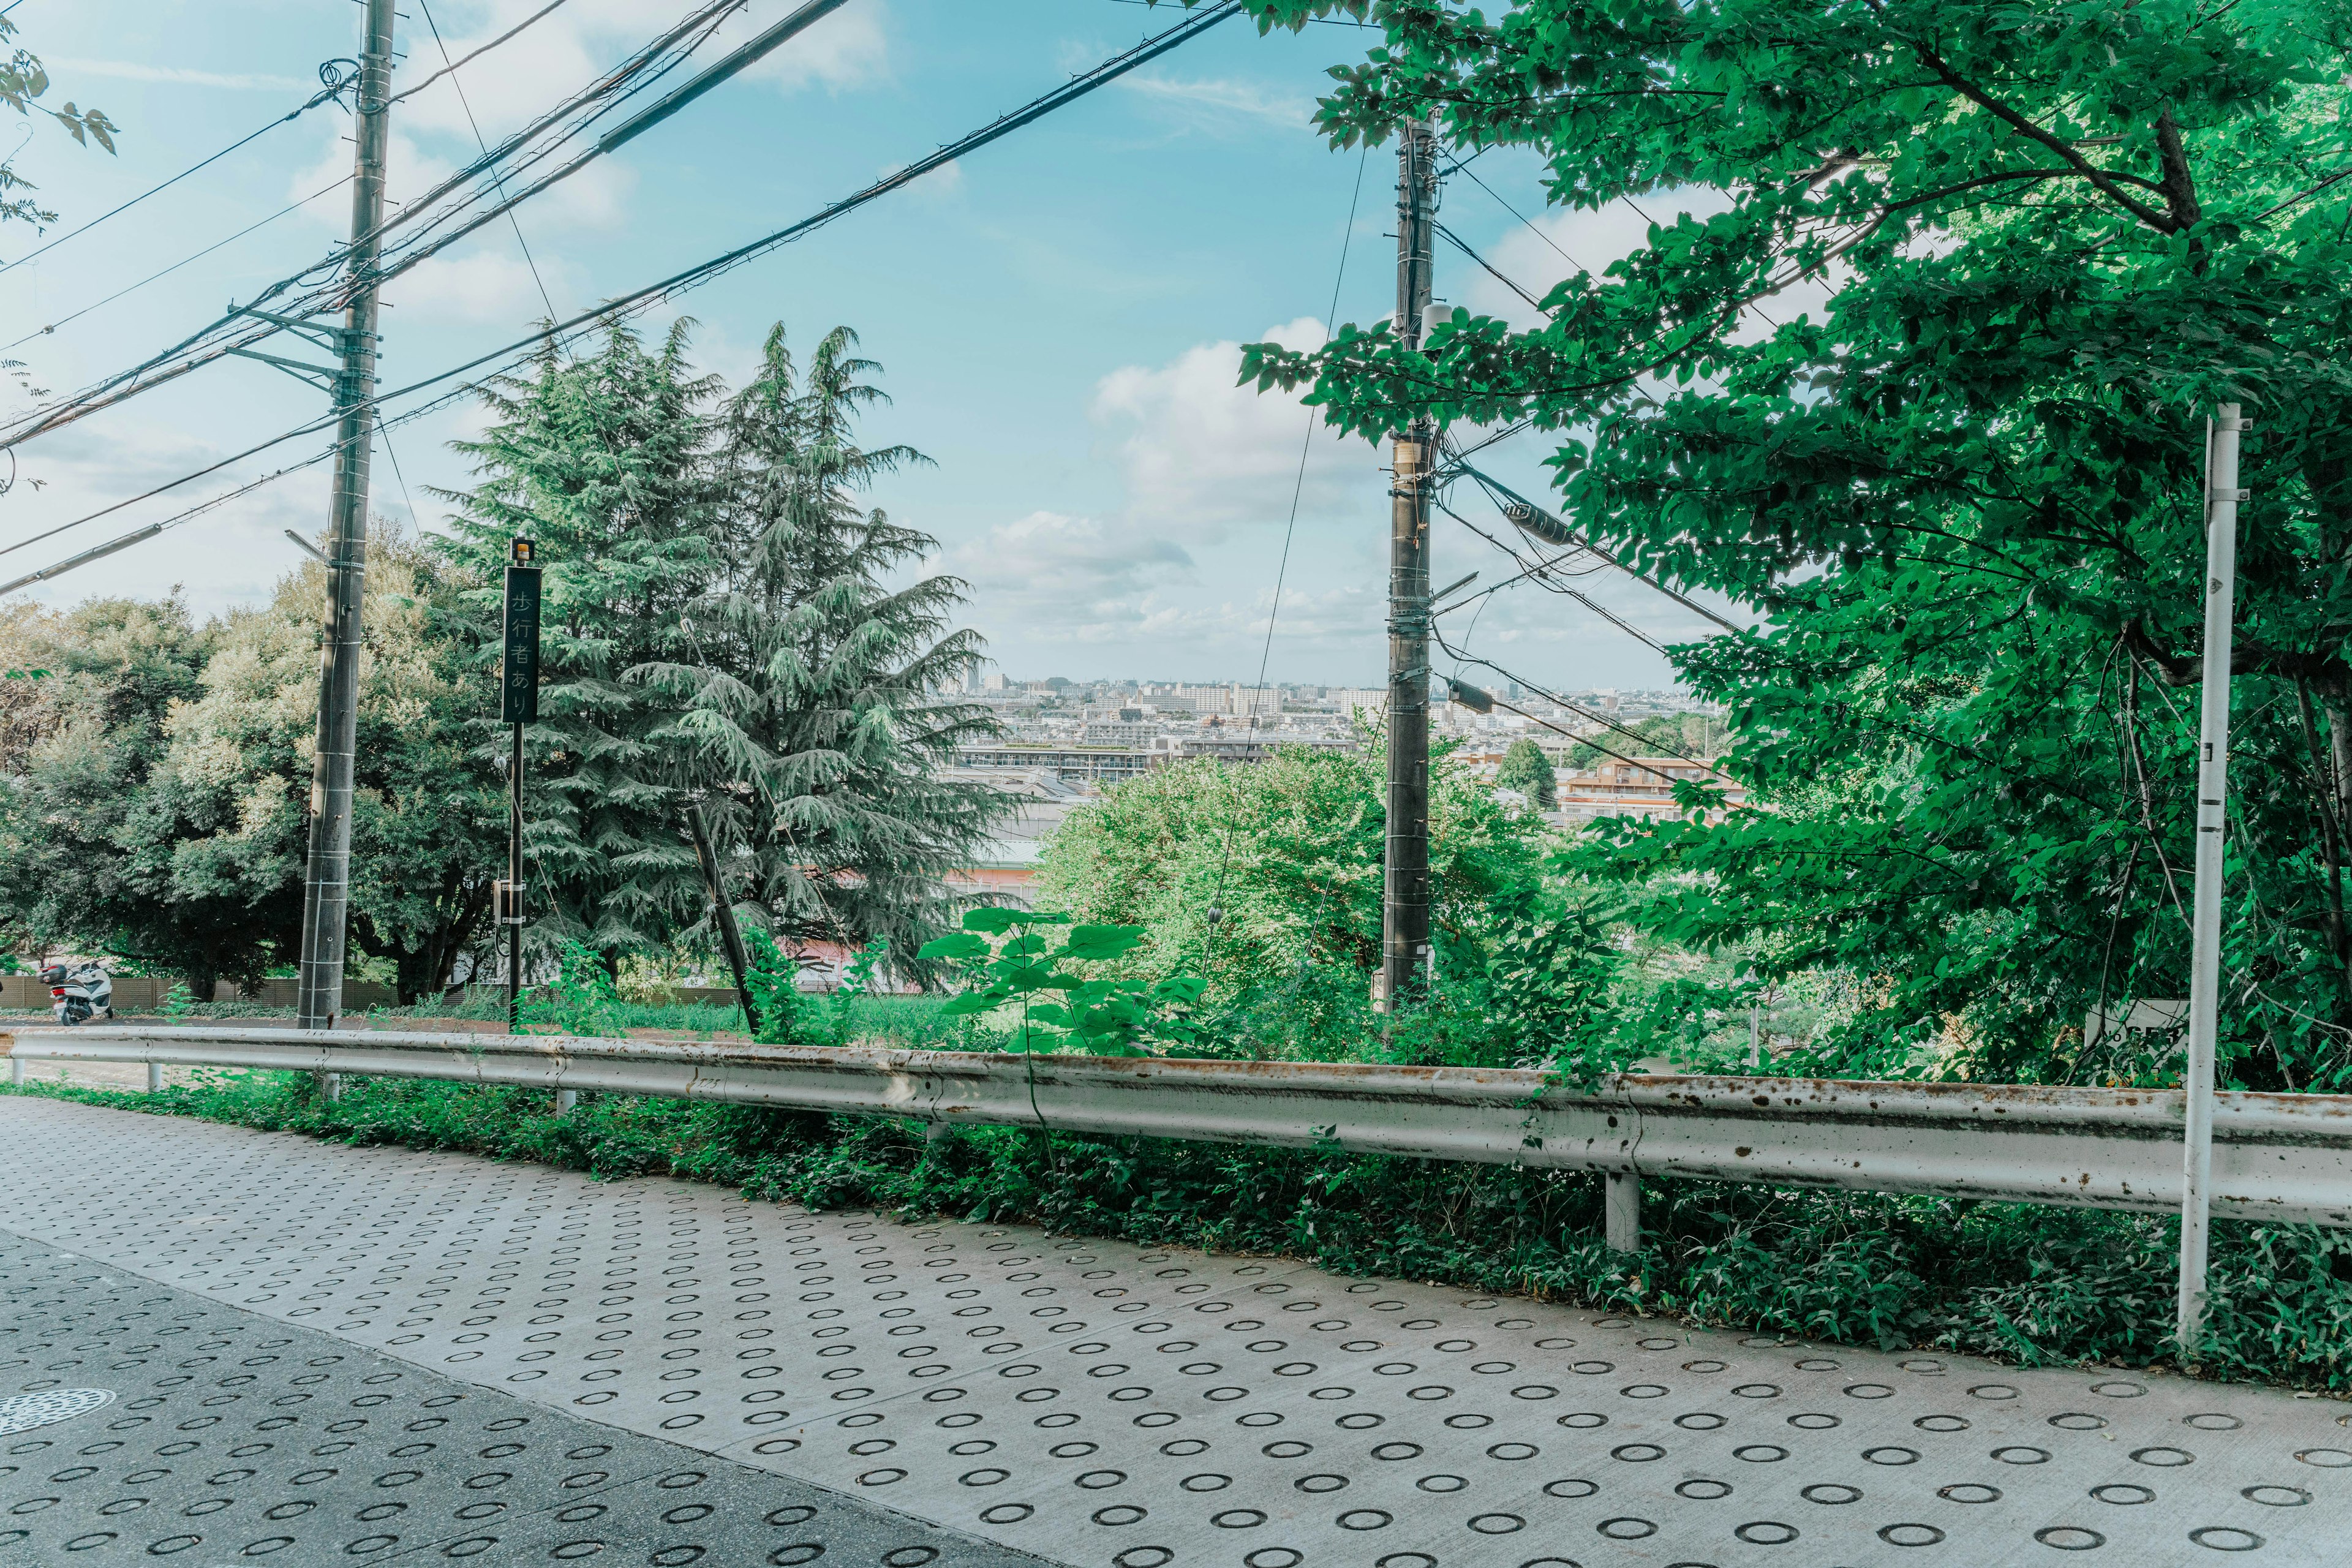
(23, 1411)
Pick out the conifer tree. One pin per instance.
(812, 700)
(604, 461)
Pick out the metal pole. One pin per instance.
(1404, 893)
(511, 911)
(327, 888)
(2221, 498)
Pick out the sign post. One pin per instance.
(518, 706)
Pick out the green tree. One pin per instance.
(1527, 770)
(1287, 854)
(1963, 489)
(86, 846)
(156, 804)
(809, 714)
(428, 812)
(604, 461)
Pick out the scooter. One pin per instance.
(78, 994)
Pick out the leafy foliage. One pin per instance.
(1009, 962)
(23, 81)
(2036, 1286)
(810, 709)
(1963, 491)
(1527, 770)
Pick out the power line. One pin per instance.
(607, 90)
(448, 65)
(1290, 528)
(1579, 708)
(42, 331)
(1037, 108)
(1461, 245)
(336, 82)
(449, 70)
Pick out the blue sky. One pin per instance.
(1056, 315)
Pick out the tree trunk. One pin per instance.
(722, 913)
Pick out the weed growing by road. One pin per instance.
(2031, 1285)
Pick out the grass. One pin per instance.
(908, 1023)
(2019, 1283)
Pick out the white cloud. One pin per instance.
(1220, 101)
(846, 49)
(1555, 244)
(1203, 453)
(1059, 578)
(487, 285)
(129, 70)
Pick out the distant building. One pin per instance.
(1106, 764)
(1236, 746)
(1643, 787)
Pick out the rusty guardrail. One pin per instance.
(2276, 1157)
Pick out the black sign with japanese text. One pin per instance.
(519, 675)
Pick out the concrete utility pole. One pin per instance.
(1404, 891)
(327, 888)
(2221, 498)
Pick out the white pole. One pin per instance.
(2221, 498)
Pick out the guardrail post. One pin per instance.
(565, 1098)
(154, 1077)
(330, 1087)
(16, 1071)
(1621, 1203)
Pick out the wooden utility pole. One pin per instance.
(1404, 890)
(326, 892)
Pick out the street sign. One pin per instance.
(518, 674)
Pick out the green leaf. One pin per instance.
(954, 946)
(1092, 942)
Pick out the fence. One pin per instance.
(2276, 1157)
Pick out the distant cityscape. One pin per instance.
(1064, 740)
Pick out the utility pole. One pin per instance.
(2221, 498)
(326, 893)
(1404, 890)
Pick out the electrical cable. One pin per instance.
(1289, 528)
(1493, 485)
(452, 65)
(449, 70)
(336, 83)
(1576, 708)
(600, 96)
(611, 310)
(198, 255)
(1461, 245)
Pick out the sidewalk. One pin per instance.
(1103, 1404)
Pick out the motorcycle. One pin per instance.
(78, 994)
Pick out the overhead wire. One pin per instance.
(449, 70)
(473, 54)
(551, 334)
(241, 328)
(1289, 530)
(165, 272)
(335, 85)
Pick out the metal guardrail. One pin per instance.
(2281, 1157)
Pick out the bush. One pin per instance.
(2037, 1286)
